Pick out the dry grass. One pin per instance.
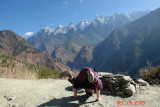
(151, 74)
(13, 68)
(18, 73)
(10, 67)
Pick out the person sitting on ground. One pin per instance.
(87, 79)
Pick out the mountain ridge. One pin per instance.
(83, 34)
(101, 18)
(128, 48)
(13, 45)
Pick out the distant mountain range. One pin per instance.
(64, 43)
(127, 49)
(119, 43)
(13, 45)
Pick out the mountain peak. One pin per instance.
(72, 26)
(118, 14)
(83, 24)
(46, 31)
(60, 26)
(60, 29)
(136, 14)
(85, 21)
(101, 18)
(27, 35)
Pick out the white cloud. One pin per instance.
(28, 33)
(81, 1)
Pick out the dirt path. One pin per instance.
(57, 93)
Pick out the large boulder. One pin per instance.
(129, 90)
(125, 86)
(125, 79)
(120, 93)
(142, 82)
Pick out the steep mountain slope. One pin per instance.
(66, 53)
(83, 34)
(83, 58)
(13, 45)
(46, 41)
(11, 67)
(128, 48)
(92, 33)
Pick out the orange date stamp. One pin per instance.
(129, 102)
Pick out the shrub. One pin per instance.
(18, 48)
(47, 73)
(150, 74)
(4, 61)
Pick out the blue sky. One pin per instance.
(22, 16)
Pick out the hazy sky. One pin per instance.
(24, 16)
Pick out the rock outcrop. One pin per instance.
(120, 85)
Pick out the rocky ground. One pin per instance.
(57, 93)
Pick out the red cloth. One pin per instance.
(82, 76)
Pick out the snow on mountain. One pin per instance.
(119, 18)
(83, 24)
(114, 20)
(44, 31)
(101, 18)
(137, 14)
(72, 26)
(27, 35)
(60, 29)
(121, 15)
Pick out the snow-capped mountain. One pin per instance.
(72, 26)
(61, 29)
(136, 14)
(118, 18)
(75, 36)
(27, 35)
(114, 21)
(101, 19)
(83, 24)
(44, 31)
